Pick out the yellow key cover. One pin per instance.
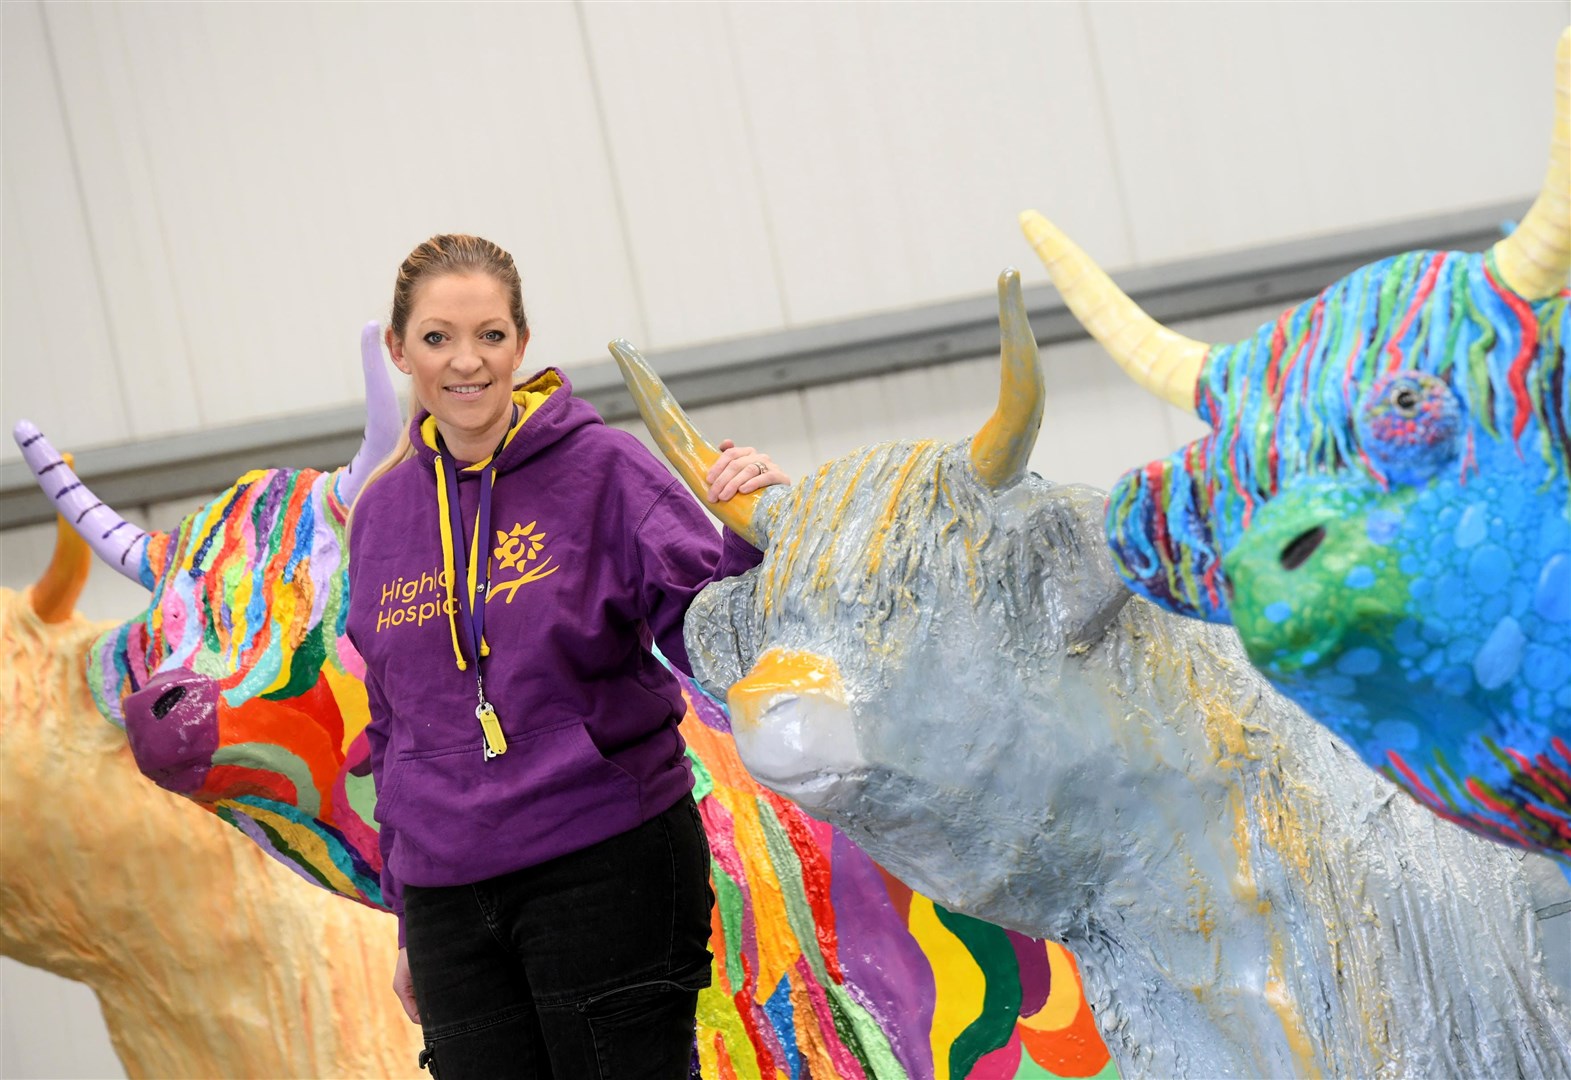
(495, 741)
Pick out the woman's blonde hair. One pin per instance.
(455, 253)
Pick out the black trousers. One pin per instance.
(587, 967)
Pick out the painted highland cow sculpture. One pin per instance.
(238, 689)
(238, 686)
(937, 657)
(207, 959)
(1382, 507)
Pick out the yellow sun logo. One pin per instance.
(517, 547)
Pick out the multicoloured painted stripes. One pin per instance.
(1383, 510)
(248, 596)
(827, 966)
(1284, 405)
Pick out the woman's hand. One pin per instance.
(404, 986)
(741, 469)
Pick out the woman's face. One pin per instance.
(461, 348)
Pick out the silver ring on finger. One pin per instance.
(761, 467)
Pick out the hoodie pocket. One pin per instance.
(386, 789)
(459, 816)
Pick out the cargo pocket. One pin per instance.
(646, 1029)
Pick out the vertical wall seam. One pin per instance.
(1104, 105)
(87, 217)
(155, 208)
(618, 202)
(756, 166)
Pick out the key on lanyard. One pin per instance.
(495, 741)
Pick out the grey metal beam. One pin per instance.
(140, 473)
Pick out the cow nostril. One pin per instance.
(167, 701)
(1301, 547)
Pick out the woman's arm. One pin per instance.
(680, 552)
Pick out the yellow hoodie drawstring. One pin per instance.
(451, 606)
(442, 506)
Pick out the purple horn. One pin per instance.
(122, 545)
(113, 539)
(384, 418)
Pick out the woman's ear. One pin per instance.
(395, 349)
(523, 343)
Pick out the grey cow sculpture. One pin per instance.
(937, 657)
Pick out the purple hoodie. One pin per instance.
(594, 551)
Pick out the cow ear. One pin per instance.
(722, 636)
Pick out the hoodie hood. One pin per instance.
(547, 411)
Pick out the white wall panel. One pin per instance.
(679, 135)
(896, 143)
(142, 301)
(253, 173)
(774, 423)
(1242, 123)
(223, 128)
(348, 134)
(261, 170)
(1096, 423)
(56, 340)
(54, 1028)
(487, 124)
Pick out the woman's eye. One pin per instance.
(495, 336)
(433, 338)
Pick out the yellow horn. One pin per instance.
(1535, 259)
(1001, 449)
(54, 597)
(1164, 362)
(687, 451)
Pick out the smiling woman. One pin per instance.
(538, 834)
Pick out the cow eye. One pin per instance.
(1405, 399)
(1410, 426)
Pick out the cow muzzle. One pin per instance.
(793, 726)
(172, 726)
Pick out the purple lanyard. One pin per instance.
(474, 609)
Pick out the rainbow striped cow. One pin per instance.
(1382, 508)
(238, 689)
